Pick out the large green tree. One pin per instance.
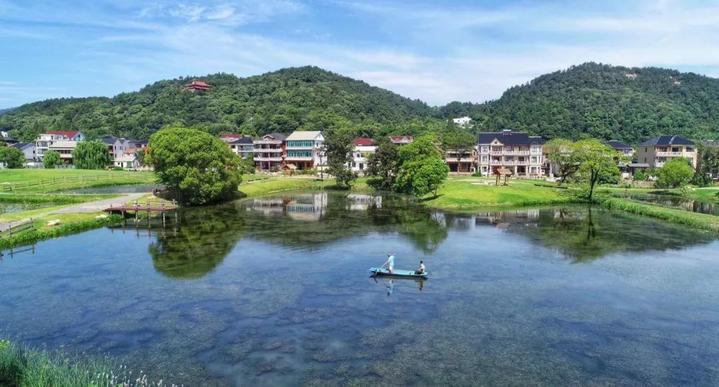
(383, 165)
(11, 157)
(195, 167)
(422, 169)
(596, 161)
(674, 174)
(91, 155)
(50, 159)
(707, 165)
(338, 150)
(560, 153)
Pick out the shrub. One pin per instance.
(675, 173)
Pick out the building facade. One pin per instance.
(657, 151)
(622, 148)
(518, 152)
(241, 145)
(305, 150)
(45, 141)
(401, 140)
(269, 152)
(461, 160)
(363, 149)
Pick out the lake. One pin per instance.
(276, 291)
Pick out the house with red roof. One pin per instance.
(46, 141)
(363, 149)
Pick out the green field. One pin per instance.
(467, 193)
(54, 180)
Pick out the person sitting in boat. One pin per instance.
(421, 269)
(389, 264)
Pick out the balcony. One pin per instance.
(461, 160)
(670, 154)
(267, 150)
(267, 142)
(266, 159)
(298, 158)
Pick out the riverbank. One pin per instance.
(20, 366)
(693, 219)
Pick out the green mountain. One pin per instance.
(607, 102)
(295, 98)
(589, 100)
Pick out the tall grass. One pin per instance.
(41, 232)
(693, 219)
(22, 367)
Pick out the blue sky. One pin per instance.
(431, 50)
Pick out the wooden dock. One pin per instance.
(134, 210)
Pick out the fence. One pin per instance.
(48, 183)
(10, 229)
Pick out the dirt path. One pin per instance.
(100, 205)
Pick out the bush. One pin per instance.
(12, 157)
(51, 159)
(675, 173)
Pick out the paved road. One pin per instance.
(100, 205)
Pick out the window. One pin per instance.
(293, 153)
(300, 144)
(534, 159)
(484, 149)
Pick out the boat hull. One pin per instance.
(398, 273)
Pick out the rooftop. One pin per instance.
(363, 141)
(303, 135)
(667, 140)
(66, 133)
(508, 137)
(618, 145)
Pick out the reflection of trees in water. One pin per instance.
(206, 235)
(586, 233)
(203, 239)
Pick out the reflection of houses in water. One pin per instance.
(506, 218)
(359, 202)
(307, 207)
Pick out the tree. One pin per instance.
(674, 174)
(383, 165)
(596, 161)
(140, 156)
(12, 157)
(91, 155)
(560, 154)
(338, 150)
(707, 165)
(422, 168)
(51, 159)
(195, 167)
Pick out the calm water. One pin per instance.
(276, 292)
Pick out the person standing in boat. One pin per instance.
(389, 264)
(421, 269)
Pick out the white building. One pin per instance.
(127, 161)
(305, 150)
(462, 121)
(518, 152)
(240, 144)
(46, 140)
(65, 149)
(363, 149)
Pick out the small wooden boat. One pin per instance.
(398, 273)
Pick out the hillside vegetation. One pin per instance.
(589, 100)
(606, 102)
(295, 98)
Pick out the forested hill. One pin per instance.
(629, 104)
(282, 101)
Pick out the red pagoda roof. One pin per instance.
(363, 141)
(197, 85)
(66, 133)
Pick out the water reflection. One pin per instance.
(309, 221)
(674, 201)
(391, 282)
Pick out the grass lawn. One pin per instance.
(469, 193)
(693, 219)
(53, 180)
(274, 184)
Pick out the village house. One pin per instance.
(46, 140)
(127, 161)
(461, 160)
(65, 149)
(28, 149)
(518, 152)
(462, 121)
(401, 140)
(305, 150)
(657, 151)
(363, 149)
(241, 145)
(269, 152)
(116, 146)
(622, 148)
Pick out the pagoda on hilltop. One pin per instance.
(200, 86)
